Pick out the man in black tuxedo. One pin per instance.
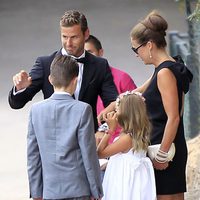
(94, 77)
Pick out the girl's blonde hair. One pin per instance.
(133, 119)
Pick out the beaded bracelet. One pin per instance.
(103, 127)
(161, 156)
(109, 132)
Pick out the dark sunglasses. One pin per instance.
(136, 49)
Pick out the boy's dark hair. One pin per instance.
(63, 70)
(92, 39)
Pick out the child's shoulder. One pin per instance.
(125, 137)
(82, 104)
(124, 141)
(40, 103)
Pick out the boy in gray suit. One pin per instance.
(62, 159)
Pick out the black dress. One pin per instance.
(173, 179)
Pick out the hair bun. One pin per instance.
(152, 28)
(155, 22)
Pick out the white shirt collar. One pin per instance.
(80, 74)
(62, 92)
(64, 52)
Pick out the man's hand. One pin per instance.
(21, 80)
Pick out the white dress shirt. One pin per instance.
(80, 74)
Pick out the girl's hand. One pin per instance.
(102, 117)
(103, 114)
(111, 120)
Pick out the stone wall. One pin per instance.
(193, 169)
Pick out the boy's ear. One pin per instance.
(50, 79)
(75, 80)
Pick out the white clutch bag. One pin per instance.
(102, 162)
(153, 149)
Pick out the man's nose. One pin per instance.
(69, 41)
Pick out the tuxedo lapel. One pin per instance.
(59, 52)
(87, 75)
(88, 72)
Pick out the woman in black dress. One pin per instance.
(164, 96)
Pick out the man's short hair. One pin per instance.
(95, 41)
(73, 17)
(63, 70)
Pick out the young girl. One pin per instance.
(129, 174)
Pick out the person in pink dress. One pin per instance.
(121, 79)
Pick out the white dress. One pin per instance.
(129, 176)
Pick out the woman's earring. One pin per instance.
(150, 56)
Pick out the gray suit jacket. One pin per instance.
(62, 158)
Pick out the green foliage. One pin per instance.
(195, 16)
(196, 13)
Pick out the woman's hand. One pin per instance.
(160, 166)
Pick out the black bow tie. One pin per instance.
(81, 60)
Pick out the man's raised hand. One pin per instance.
(22, 80)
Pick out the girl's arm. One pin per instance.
(123, 144)
(98, 137)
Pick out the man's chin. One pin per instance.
(71, 53)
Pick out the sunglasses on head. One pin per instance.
(136, 49)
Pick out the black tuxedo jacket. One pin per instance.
(97, 80)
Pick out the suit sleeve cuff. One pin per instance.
(18, 92)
